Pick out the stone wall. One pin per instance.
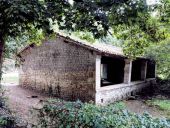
(69, 71)
(63, 69)
(109, 94)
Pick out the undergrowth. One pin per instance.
(163, 86)
(6, 118)
(61, 114)
(162, 104)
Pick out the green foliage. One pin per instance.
(13, 45)
(164, 9)
(61, 114)
(6, 119)
(135, 42)
(163, 86)
(2, 98)
(3, 121)
(17, 16)
(161, 53)
(118, 105)
(137, 37)
(7, 122)
(85, 36)
(102, 16)
(29, 17)
(144, 30)
(162, 104)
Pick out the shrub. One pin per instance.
(7, 122)
(163, 86)
(161, 54)
(2, 98)
(6, 118)
(61, 114)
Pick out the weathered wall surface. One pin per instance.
(62, 69)
(109, 94)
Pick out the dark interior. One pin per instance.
(150, 69)
(136, 70)
(115, 71)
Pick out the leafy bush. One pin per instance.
(164, 85)
(161, 54)
(7, 122)
(61, 114)
(6, 119)
(2, 98)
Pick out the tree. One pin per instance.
(19, 17)
(161, 54)
(128, 20)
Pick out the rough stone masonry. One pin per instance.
(65, 70)
(70, 70)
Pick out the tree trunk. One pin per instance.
(2, 43)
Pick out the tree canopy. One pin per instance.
(128, 20)
(161, 54)
(18, 17)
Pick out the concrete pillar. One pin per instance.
(127, 71)
(143, 70)
(98, 72)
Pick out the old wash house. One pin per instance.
(72, 70)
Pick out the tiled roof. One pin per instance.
(98, 47)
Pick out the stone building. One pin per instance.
(72, 70)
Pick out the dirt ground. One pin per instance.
(138, 106)
(20, 101)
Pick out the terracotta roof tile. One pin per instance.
(98, 47)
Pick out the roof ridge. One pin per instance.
(98, 47)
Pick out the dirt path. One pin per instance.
(20, 101)
(139, 107)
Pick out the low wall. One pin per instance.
(110, 94)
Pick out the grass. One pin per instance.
(161, 104)
(119, 105)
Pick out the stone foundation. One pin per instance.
(112, 93)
